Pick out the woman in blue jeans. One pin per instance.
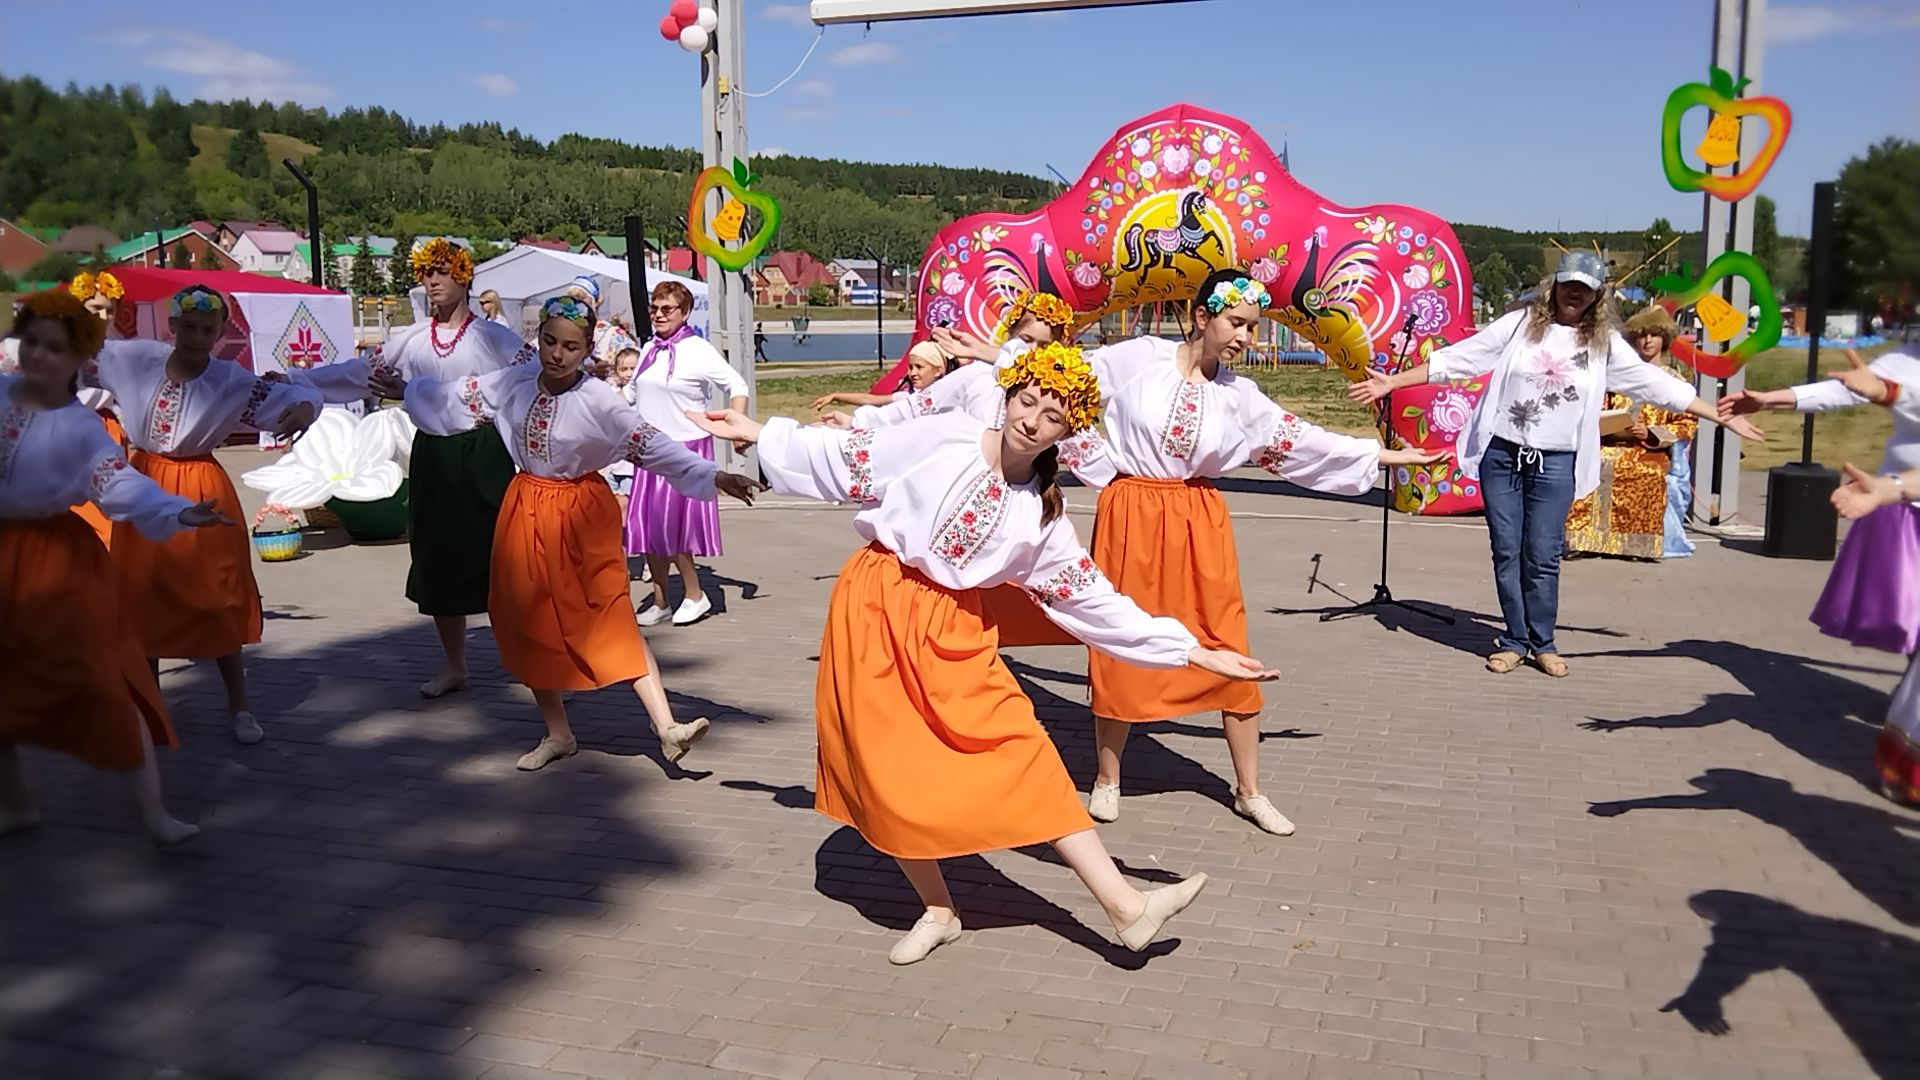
(1533, 442)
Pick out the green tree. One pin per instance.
(400, 268)
(99, 256)
(1766, 232)
(820, 294)
(1495, 279)
(1876, 226)
(207, 260)
(362, 278)
(484, 250)
(53, 266)
(247, 154)
(178, 257)
(170, 128)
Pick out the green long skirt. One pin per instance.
(456, 484)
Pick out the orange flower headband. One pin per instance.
(448, 256)
(1059, 368)
(88, 333)
(1046, 307)
(86, 286)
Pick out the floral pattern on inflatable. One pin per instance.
(1176, 195)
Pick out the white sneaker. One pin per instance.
(653, 615)
(1262, 813)
(927, 935)
(1103, 802)
(246, 730)
(692, 610)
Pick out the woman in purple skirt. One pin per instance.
(1872, 598)
(677, 370)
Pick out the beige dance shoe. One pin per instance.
(246, 730)
(549, 751)
(441, 685)
(680, 738)
(927, 935)
(1103, 802)
(1162, 904)
(1263, 814)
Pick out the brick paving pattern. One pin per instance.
(378, 893)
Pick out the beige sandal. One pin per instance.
(1503, 661)
(1551, 664)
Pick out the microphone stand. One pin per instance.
(1382, 595)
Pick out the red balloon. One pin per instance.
(670, 29)
(683, 12)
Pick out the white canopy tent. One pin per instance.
(527, 276)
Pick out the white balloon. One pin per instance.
(707, 19)
(695, 39)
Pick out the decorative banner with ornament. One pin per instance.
(288, 331)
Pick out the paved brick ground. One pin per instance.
(379, 893)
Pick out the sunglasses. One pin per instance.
(664, 309)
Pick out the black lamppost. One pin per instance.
(313, 221)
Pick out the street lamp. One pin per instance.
(313, 221)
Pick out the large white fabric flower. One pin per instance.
(340, 457)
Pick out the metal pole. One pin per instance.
(1820, 264)
(723, 111)
(313, 221)
(638, 295)
(879, 309)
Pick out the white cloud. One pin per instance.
(813, 88)
(230, 71)
(494, 83)
(772, 151)
(868, 52)
(794, 14)
(1792, 24)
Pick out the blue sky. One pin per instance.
(1525, 113)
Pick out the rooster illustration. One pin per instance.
(1325, 308)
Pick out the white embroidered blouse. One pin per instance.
(52, 460)
(191, 418)
(927, 494)
(1903, 446)
(485, 346)
(1159, 425)
(582, 429)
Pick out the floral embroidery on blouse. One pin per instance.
(168, 402)
(526, 354)
(1183, 421)
(923, 404)
(1074, 449)
(1285, 434)
(540, 427)
(473, 399)
(1068, 582)
(858, 453)
(634, 447)
(255, 398)
(979, 512)
(103, 471)
(13, 427)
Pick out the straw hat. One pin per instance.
(1652, 319)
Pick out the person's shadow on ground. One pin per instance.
(1797, 701)
(1859, 973)
(1876, 851)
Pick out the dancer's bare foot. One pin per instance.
(443, 684)
(679, 738)
(168, 831)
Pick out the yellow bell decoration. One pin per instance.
(1721, 146)
(726, 223)
(1718, 318)
(1060, 369)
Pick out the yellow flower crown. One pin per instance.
(86, 286)
(1046, 307)
(1058, 368)
(88, 333)
(442, 253)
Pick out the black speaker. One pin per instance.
(1801, 520)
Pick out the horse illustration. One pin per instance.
(1146, 250)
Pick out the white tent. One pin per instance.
(526, 276)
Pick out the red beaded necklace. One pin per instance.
(433, 335)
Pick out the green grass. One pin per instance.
(211, 146)
(793, 395)
(1855, 435)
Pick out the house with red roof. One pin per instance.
(785, 276)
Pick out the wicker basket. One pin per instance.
(276, 545)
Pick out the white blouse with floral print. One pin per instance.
(191, 418)
(928, 495)
(52, 460)
(580, 430)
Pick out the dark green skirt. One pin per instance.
(456, 484)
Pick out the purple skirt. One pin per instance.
(661, 521)
(1872, 596)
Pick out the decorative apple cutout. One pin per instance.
(1721, 146)
(727, 222)
(1718, 318)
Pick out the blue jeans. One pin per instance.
(1527, 495)
(1676, 545)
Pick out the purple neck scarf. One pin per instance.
(659, 343)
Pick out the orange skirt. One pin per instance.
(1168, 545)
(76, 680)
(558, 592)
(193, 596)
(90, 513)
(927, 745)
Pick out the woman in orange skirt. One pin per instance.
(558, 596)
(101, 294)
(927, 745)
(1176, 416)
(76, 679)
(193, 596)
